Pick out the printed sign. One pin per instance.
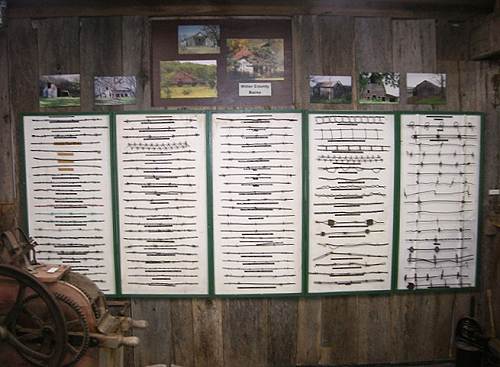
(254, 89)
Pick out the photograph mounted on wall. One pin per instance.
(256, 59)
(198, 39)
(3, 13)
(330, 89)
(114, 90)
(378, 87)
(188, 79)
(59, 90)
(426, 88)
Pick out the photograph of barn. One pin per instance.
(255, 59)
(188, 79)
(199, 39)
(3, 12)
(330, 89)
(114, 90)
(59, 90)
(426, 88)
(378, 87)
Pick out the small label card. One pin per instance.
(254, 89)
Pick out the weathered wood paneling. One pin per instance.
(245, 330)
(305, 60)
(7, 216)
(340, 330)
(7, 181)
(309, 331)
(414, 51)
(282, 332)
(156, 341)
(58, 43)
(374, 315)
(323, 45)
(276, 332)
(100, 55)
(207, 326)
(136, 58)
(59, 51)
(23, 86)
(453, 9)
(181, 314)
(373, 53)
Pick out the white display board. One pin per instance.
(351, 184)
(257, 196)
(440, 165)
(162, 203)
(68, 193)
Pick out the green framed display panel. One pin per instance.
(440, 215)
(68, 196)
(163, 203)
(109, 146)
(352, 155)
(258, 202)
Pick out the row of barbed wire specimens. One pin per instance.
(440, 179)
(350, 203)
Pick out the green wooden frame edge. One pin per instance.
(301, 121)
(382, 292)
(476, 287)
(208, 162)
(24, 187)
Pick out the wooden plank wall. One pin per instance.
(270, 332)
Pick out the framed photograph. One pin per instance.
(3, 13)
(330, 89)
(188, 79)
(378, 87)
(426, 88)
(59, 90)
(221, 62)
(199, 39)
(114, 90)
(255, 59)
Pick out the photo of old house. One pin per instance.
(188, 79)
(114, 90)
(375, 87)
(330, 89)
(426, 88)
(199, 39)
(3, 12)
(59, 90)
(255, 59)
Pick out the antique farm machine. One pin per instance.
(51, 316)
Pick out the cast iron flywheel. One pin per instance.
(40, 340)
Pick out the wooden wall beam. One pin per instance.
(455, 9)
(100, 55)
(208, 334)
(23, 88)
(156, 340)
(7, 180)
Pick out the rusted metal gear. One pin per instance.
(77, 327)
(95, 296)
(41, 342)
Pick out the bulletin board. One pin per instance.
(252, 60)
(162, 203)
(351, 186)
(439, 200)
(257, 202)
(69, 206)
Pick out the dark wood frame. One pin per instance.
(165, 48)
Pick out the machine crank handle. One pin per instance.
(115, 341)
